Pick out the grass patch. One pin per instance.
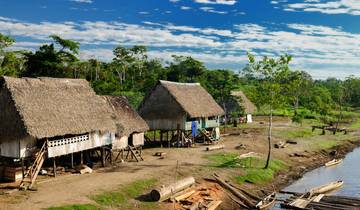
(121, 197)
(301, 133)
(355, 125)
(75, 207)
(256, 174)
(326, 144)
(253, 167)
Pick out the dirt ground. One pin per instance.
(76, 188)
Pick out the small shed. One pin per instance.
(244, 102)
(66, 114)
(130, 126)
(173, 106)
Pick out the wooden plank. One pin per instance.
(213, 205)
(184, 196)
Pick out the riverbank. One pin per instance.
(124, 185)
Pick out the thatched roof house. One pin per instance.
(38, 108)
(244, 102)
(127, 119)
(130, 126)
(173, 103)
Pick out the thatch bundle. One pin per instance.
(127, 119)
(49, 107)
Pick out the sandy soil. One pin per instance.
(75, 188)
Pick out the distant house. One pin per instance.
(55, 116)
(248, 107)
(130, 126)
(172, 106)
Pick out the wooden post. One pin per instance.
(102, 156)
(154, 135)
(161, 138)
(81, 158)
(111, 154)
(178, 134)
(167, 138)
(22, 168)
(72, 160)
(54, 166)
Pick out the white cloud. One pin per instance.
(83, 1)
(225, 2)
(212, 10)
(351, 7)
(314, 47)
(185, 8)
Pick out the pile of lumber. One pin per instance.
(246, 199)
(186, 195)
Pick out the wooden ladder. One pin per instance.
(31, 175)
(135, 153)
(207, 136)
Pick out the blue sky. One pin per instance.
(322, 35)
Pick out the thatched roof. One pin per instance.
(128, 120)
(192, 98)
(49, 107)
(244, 102)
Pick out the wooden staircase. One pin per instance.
(207, 136)
(135, 153)
(31, 175)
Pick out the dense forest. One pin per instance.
(133, 74)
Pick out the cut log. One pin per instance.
(234, 191)
(184, 196)
(165, 192)
(213, 205)
(215, 147)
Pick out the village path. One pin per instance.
(76, 188)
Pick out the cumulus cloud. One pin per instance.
(313, 46)
(351, 7)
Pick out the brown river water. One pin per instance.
(348, 171)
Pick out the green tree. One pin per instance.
(52, 60)
(185, 69)
(271, 71)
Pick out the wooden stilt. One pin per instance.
(22, 168)
(111, 154)
(178, 135)
(72, 160)
(161, 139)
(154, 135)
(81, 158)
(167, 138)
(102, 156)
(54, 166)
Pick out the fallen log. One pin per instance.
(163, 193)
(215, 147)
(238, 194)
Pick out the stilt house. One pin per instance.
(176, 106)
(130, 126)
(245, 104)
(51, 117)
